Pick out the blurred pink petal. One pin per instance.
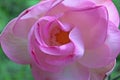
(90, 29)
(30, 15)
(113, 40)
(101, 73)
(65, 39)
(77, 41)
(77, 3)
(94, 58)
(58, 55)
(14, 47)
(70, 72)
(38, 56)
(112, 10)
(42, 34)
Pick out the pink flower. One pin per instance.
(65, 39)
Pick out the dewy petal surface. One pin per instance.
(90, 29)
(14, 47)
(70, 72)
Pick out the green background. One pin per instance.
(9, 70)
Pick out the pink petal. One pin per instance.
(42, 35)
(77, 3)
(23, 26)
(48, 57)
(112, 11)
(58, 10)
(38, 56)
(96, 58)
(101, 73)
(14, 47)
(70, 72)
(68, 5)
(75, 37)
(91, 22)
(113, 40)
(28, 17)
(42, 29)
(58, 50)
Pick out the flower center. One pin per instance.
(62, 37)
(59, 37)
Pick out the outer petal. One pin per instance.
(77, 3)
(110, 53)
(91, 22)
(22, 27)
(94, 58)
(68, 5)
(70, 72)
(113, 40)
(28, 17)
(112, 11)
(101, 73)
(14, 47)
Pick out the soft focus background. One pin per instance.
(9, 70)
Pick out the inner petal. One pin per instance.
(58, 36)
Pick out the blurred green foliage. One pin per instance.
(12, 8)
(117, 3)
(10, 70)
